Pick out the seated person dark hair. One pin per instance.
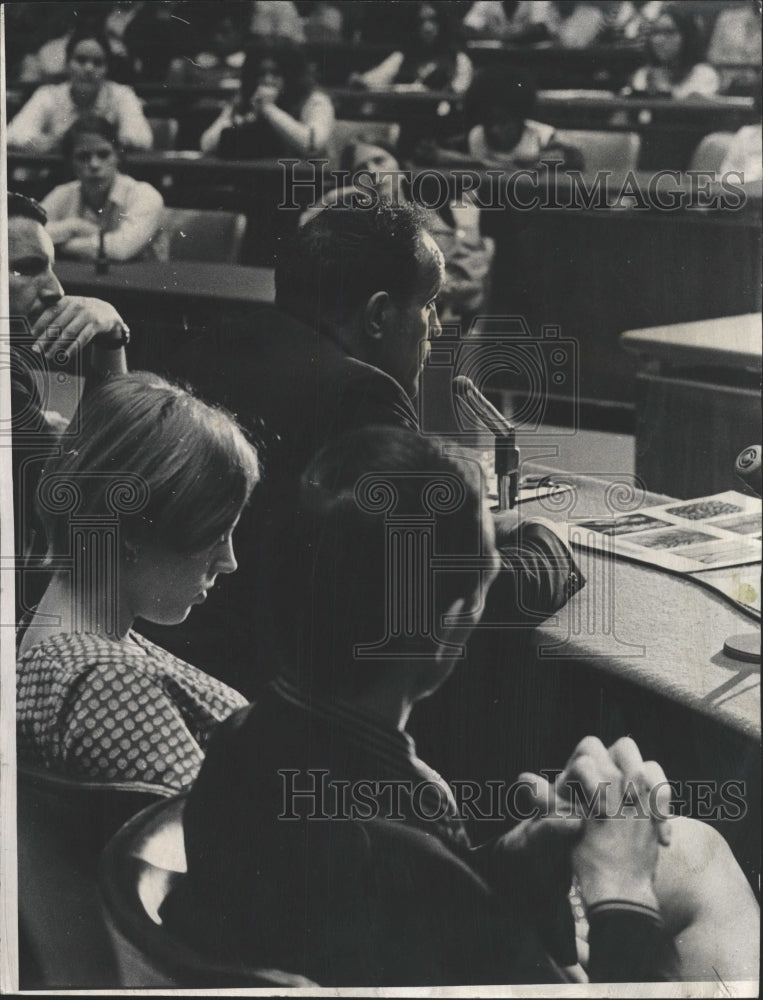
(498, 110)
(318, 842)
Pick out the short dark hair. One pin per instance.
(22, 207)
(499, 88)
(194, 460)
(334, 264)
(347, 494)
(89, 124)
(85, 34)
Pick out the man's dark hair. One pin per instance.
(499, 88)
(21, 207)
(337, 261)
(346, 592)
(89, 124)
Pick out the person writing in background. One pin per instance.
(103, 210)
(279, 112)
(432, 59)
(675, 68)
(44, 120)
(93, 697)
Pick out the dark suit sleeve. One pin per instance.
(539, 576)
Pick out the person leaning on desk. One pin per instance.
(103, 212)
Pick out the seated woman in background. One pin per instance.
(95, 698)
(102, 202)
(468, 255)
(433, 58)
(49, 113)
(675, 67)
(279, 111)
(498, 108)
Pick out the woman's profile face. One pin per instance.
(87, 63)
(95, 163)
(665, 40)
(163, 585)
(379, 162)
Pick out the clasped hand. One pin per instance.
(71, 324)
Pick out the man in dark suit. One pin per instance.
(356, 297)
(320, 843)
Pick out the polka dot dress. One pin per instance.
(90, 707)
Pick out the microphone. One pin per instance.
(749, 468)
(506, 451)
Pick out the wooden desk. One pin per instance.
(188, 281)
(697, 401)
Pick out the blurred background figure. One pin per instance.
(276, 19)
(324, 22)
(511, 20)
(220, 63)
(280, 109)
(735, 46)
(498, 109)
(675, 68)
(432, 57)
(103, 201)
(53, 108)
(745, 154)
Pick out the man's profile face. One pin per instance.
(32, 285)
(413, 323)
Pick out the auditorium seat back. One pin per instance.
(62, 825)
(604, 150)
(204, 234)
(138, 868)
(711, 152)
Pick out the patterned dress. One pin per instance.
(90, 707)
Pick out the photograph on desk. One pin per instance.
(380, 525)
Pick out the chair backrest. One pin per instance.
(63, 824)
(345, 132)
(711, 151)
(165, 133)
(138, 868)
(604, 150)
(204, 235)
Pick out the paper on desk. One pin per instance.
(684, 536)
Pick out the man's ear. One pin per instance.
(375, 315)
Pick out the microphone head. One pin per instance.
(749, 468)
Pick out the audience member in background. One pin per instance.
(103, 201)
(220, 64)
(735, 46)
(46, 323)
(468, 255)
(52, 109)
(432, 57)
(276, 19)
(279, 111)
(675, 68)
(399, 897)
(498, 108)
(745, 154)
(323, 22)
(604, 23)
(94, 698)
(511, 20)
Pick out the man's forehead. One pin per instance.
(28, 238)
(432, 260)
